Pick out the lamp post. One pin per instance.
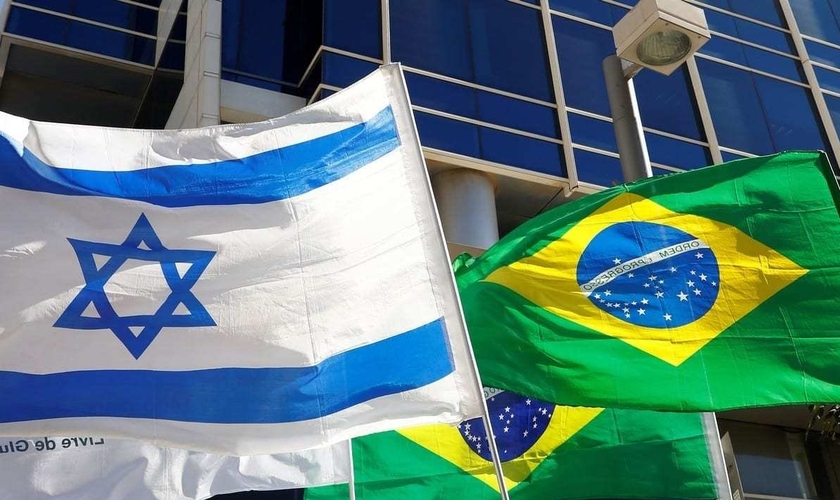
(658, 35)
(655, 34)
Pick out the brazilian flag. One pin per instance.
(700, 291)
(548, 452)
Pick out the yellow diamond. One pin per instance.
(447, 442)
(750, 273)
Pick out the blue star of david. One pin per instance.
(154, 251)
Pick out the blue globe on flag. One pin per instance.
(649, 275)
(518, 422)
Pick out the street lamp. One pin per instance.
(655, 34)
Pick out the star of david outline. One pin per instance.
(95, 279)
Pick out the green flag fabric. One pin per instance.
(700, 291)
(568, 453)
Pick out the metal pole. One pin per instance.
(352, 482)
(629, 135)
(716, 456)
(635, 165)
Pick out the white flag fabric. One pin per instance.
(241, 289)
(90, 468)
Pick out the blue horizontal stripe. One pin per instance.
(234, 395)
(269, 176)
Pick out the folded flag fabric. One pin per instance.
(700, 291)
(242, 289)
(548, 452)
(81, 468)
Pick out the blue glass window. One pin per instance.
(763, 10)
(829, 80)
(749, 31)
(667, 103)
(81, 35)
(173, 56)
(342, 71)
(481, 105)
(581, 49)
(489, 144)
(179, 29)
(592, 132)
(598, 169)
(731, 156)
(817, 18)
(676, 153)
(833, 104)
(594, 10)
(354, 26)
(753, 58)
(522, 152)
(110, 12)
(758, 114)
(494, 43)
(657, 172)
(273, 40)
(823, 53)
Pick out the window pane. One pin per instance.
(447, 135)
(833, 104)
(112, 12)
(517, 114)
(731, 156)
(817, 18)
(594, 10)
(275, 40)
(763, 10)
(522, 152)
(598, 169)
(592, 132)
(791, 115)
(770, 461)
(460, 38)
(581, 49)
(489, 144)
(757, 114)
(343, 71)
(748, 31)
(676, 153)
(81, 35)
(823, 53)
(829, 80)
(753, 58)
(481, 105)
(667, 103)
(354, 26)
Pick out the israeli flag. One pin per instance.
(85, 467)
(241, 289)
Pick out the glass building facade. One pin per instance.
(510, 88)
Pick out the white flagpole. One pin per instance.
(352, 482)
(491, 440)
(494, 450)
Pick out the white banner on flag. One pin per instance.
(241, 289)
(87, 468)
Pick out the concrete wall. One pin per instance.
(198, 103)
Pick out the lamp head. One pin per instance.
(661, 34)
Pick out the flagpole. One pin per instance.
(494, 451)
(352, 481)
(635, 165)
